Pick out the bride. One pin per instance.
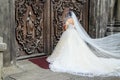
(77, 53)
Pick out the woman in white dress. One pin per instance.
(73, 55)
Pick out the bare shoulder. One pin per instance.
(70, 21)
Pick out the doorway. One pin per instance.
(39, 24)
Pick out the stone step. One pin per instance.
(33, 72)
(49, 75)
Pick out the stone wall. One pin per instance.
(100, 14)
(6, 28)
(3, 47)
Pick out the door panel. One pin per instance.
(29, 26)
(80, 7)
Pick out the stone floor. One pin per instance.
(25, 70)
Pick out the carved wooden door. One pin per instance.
(30, 27)
(39, 23)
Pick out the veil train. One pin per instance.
(77, 53)
(105, 47)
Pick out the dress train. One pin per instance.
(72, 55)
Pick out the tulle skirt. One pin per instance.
(73, 55)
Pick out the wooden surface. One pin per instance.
(30, 29)
(35, 38)
(79, 7)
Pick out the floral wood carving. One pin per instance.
(58, 7)
(29, 25)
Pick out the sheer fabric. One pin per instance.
(107, 47)
(79, 54)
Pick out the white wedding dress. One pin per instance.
(73, 54)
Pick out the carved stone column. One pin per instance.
(3, 47)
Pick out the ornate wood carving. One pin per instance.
(29, 25)
(58, 6)
(34, 32)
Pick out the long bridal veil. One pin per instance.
(105, 47)
(77, 53)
